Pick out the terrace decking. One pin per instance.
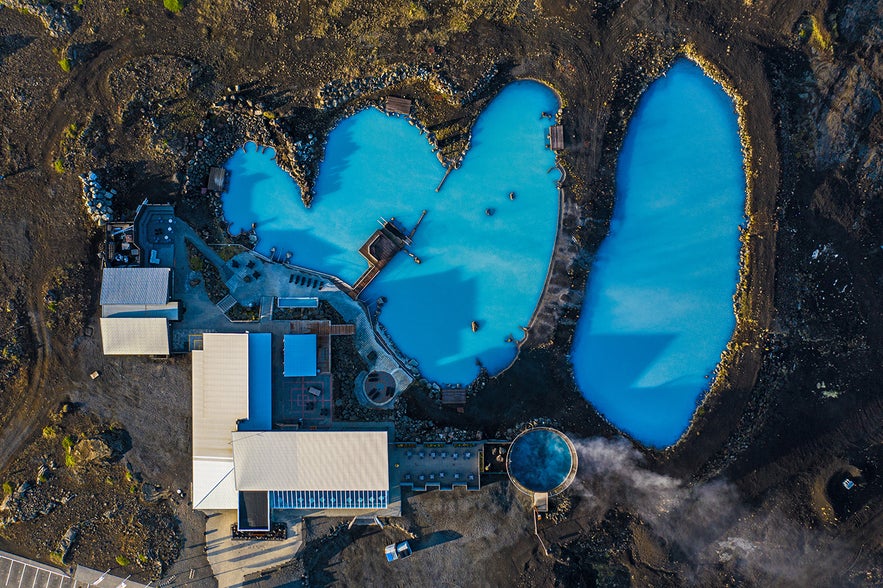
(556, 138)
(398, 105)
(379, 250)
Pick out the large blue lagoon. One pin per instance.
(475, 267)
(659, 307)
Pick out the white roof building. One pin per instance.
(239, 463)
(135, 310)
(135, 336)
(220, 399)
(311, 460)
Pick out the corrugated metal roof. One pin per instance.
(299, 355)
(220, 398)
(213, 484)
(135, 336)
(220, 392)
(135, 285)
(311, 460)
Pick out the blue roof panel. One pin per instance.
(260, 395)
(300, 355)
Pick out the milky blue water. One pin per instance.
(475, 267)
(540, 460)
(659, 307)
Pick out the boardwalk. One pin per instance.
(18, 572)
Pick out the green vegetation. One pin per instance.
(196, 263)
(58, 165)
(65, 64)
(70, 132)
(78, 5)
(819, 35)
(129, 476)
(55, 557)
(173, 5)
(69, 460)
(7, 488)
(133, 489)
(49, 432)
(142, 559)
(122, 559)
(67, 443)
(41, 479)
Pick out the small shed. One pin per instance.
(454, 397)
(216, 178)
(398, 105)
(300, 355)
(556, 138)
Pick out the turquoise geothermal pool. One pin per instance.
(475, 267)
(659, 305)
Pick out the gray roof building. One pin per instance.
(135, 285)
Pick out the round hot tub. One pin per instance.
(541, 460)
(380, 387)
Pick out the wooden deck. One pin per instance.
(556, 138)
(378, 251)
(398, 105)
(216, 178)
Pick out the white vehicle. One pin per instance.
(396, 551)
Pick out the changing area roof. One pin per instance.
(220, 399)
(300, 352)
(311, 460)
(135, 285)
(135, 336)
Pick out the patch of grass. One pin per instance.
(49, 432)
(819, 35)
(123, 560)
(55, 557)
(129, 476)
(173, 5)
(41, 479)
(133, 489)
(58, 166)
(7, 488)
(67, 443)
(65, 64)
(69, 460)
(70, 132)
(196, 263)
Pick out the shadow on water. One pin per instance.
(428, 313)
(307, 247)
(618, 361)
(339, 153)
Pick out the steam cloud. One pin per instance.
(712, 530)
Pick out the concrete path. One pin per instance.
(232, 561)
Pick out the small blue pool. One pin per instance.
(659, 306)
(485, 255)
(542, 460)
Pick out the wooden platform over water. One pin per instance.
(378, 251)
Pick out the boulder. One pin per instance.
(91, 450)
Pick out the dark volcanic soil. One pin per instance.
(796, 407)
